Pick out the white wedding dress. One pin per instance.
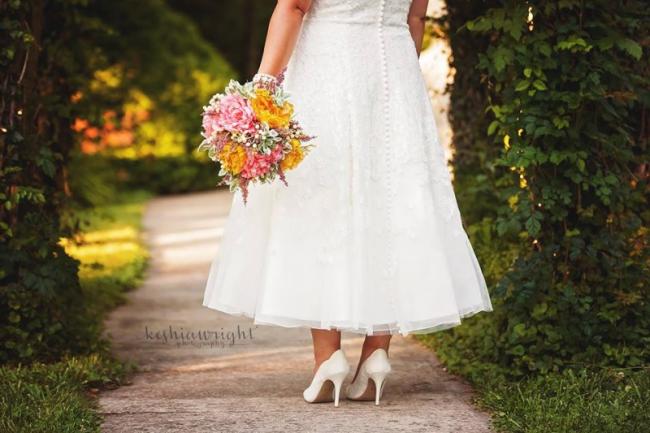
(367, 237)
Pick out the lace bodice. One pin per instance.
(384, 12)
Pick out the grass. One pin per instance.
(602, 401)
(55, 398)
(59, 397)
(579, 400)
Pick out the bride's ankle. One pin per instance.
(323, 355)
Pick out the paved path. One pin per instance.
(254, 385)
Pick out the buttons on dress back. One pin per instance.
(391, 262)
(388, 157)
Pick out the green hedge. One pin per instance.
(565, 247)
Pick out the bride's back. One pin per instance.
(384, 12)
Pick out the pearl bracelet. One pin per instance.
(265, 79)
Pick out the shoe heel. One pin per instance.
(379, 380)
(338, 383)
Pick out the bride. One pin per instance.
(367, 237)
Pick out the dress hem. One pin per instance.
(419, 327)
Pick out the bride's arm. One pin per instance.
(282, 35)
(417, 15)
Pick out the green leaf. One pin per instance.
(501, 58)
(630, 47)
(574, 43)
(539, 85)
(514, 27)
(572, 233)
(539, 310)
(605, 43)
(519, 329)
(545, 49)
(518, 350)
(533, 226)
(556, 157)
(492, 127)
(560, 123)
(522, 85)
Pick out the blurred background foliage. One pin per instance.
(237, 28)
(145, 97)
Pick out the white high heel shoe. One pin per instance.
(371, 378)
(326, 384)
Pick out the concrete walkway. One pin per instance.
(231, 376)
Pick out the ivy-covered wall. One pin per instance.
(565, 95)
(41, 303)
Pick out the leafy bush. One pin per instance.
(568, 94)
(53, 397)
(41, 303)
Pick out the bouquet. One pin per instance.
(250, 130)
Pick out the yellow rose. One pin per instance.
(293, 158)
(269, 112)
(232, 158)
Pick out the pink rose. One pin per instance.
(210, 123)
(235, 114)
(257, 165)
